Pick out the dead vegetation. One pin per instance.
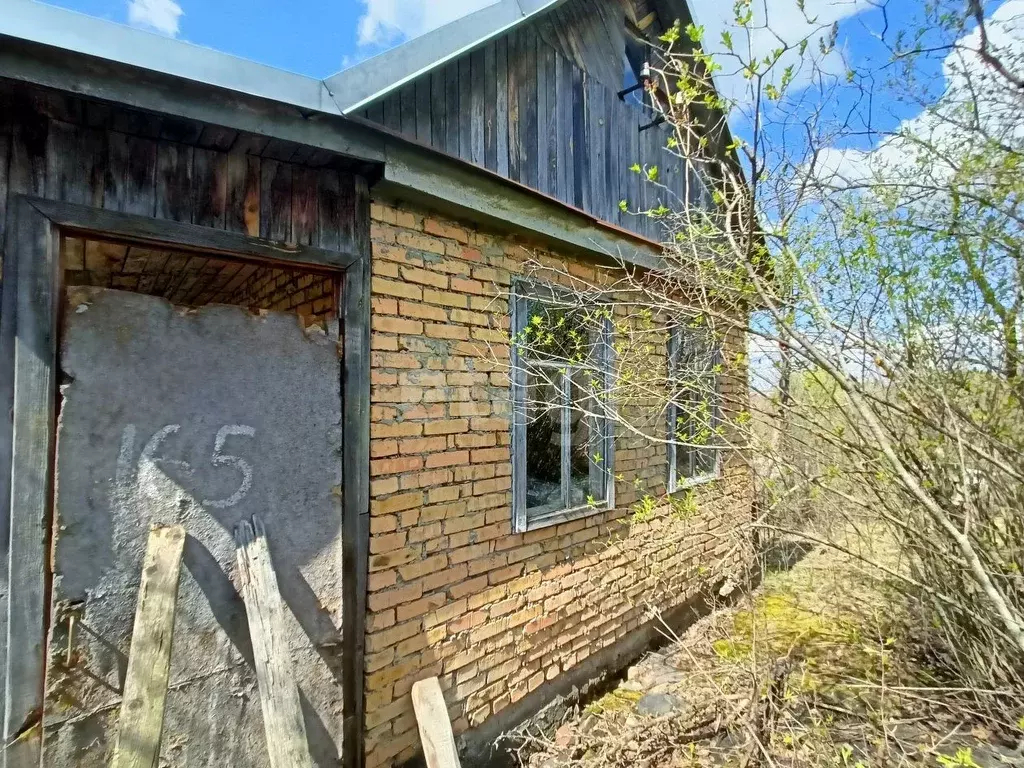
(819, 666)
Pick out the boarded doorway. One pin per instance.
(195, 390)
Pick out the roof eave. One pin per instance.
(71, 31)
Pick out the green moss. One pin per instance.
(614, 701)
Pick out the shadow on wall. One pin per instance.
(167, 417)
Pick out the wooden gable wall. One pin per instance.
(539, 106)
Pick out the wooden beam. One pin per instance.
(647, 20)
(355, 472)
(149, 659)
(84, 219)
(279, 695)
(34, 243)
(435, 728)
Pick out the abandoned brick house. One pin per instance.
(230, 290)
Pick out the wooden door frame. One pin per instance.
(29, 317)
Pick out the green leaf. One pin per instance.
(727, 40)
(671, 34)
(652, 173)
(695, 33)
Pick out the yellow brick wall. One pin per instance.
(453, 592)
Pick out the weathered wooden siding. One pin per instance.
(539, 105)
(591, 34)
(65, 148)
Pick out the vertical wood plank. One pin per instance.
(8, 282)
(355, 529)
(25, 521)
(478, 89)
(616, 137)
(465, 65)
(244, 199)
(530, 172)
(115, 179)
(149, 659)
(581, 149)
(393, 111)
(304, 206)
(632, 158)
(140, 183)
(66, 179)
(35, 370)
(515, 70)
(434, 726)
(174, 182)
(375, 112)
(328, 209)
(275, 200)
(93, 149)
(27, 174)
(438, 124)
(563, 129)
(543, 84)
(550, 124)
(407, 105)
(451, 108)
(424, 121)
(353, 224)
(596, 143)
(501, 105)
(283, 722)
(490, 86)
(209, 188)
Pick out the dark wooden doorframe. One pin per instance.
(32, 289)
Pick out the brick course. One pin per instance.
(452, 591)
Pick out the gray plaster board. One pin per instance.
(136, 367)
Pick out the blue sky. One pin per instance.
(311, 37)
(320, 37)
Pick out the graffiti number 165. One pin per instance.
(149, 477)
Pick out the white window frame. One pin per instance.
(523, 292)
(674, 483)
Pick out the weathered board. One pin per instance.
(283, 722)
(65, 148)
(170, 418)
(141, 720)
(539, 105)
(434, 726)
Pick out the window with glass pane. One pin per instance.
(695, 410)
(561, 440)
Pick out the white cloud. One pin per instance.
(158, 15)
(966, 78)
(774, 22)
(387, 22)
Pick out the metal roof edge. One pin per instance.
(61, 28)
(357, 86)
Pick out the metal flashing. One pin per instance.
(375, 77)
(72, 31)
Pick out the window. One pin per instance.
(561, 439)
(695, 407)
